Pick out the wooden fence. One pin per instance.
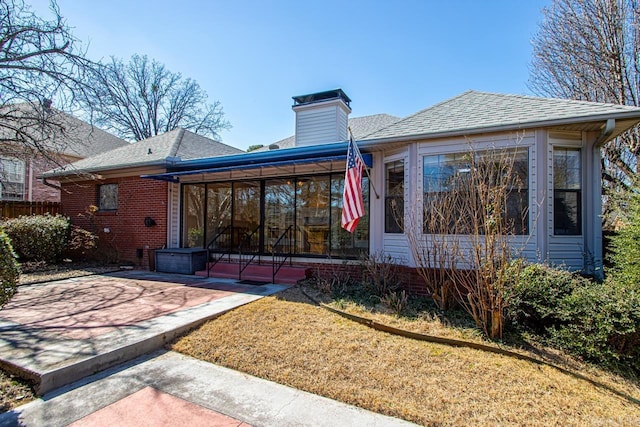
(13, 209)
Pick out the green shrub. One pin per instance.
(534, 295)
(9, 271)
(625, 245)
(38, 237)
(82, 244)
(601, 323)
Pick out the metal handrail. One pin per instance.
(243, 264)
(278, 259)
(213, 260)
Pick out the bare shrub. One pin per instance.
(332, 281)
(397, 301)
(473, 205)
(380, 274)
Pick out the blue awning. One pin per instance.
(247, 162)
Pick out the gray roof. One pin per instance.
(87, 140)
(361, 127)
(152, 151)
(61, 133)
(473, 112)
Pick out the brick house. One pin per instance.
(105, 194)
(66, 141)
(285, 200)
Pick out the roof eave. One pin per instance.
(92, 171)
(502, 128)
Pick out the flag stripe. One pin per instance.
(352, 202)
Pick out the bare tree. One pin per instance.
(41, 64)
(590, 50)
(143, 98)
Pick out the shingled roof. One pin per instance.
(474, 112)
(150, 152)
(54, 131)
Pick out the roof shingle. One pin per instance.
(474, 111)
(176, 143)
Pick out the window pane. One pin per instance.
(108, 194)
(566, 168)
(567, 215)
(313, 209)
(394, 197)
(246, 214)
(343, 243)
(452, 181)
(279, 206)
(12, 179)
(567, 201)
(193, 216)
(218, 216)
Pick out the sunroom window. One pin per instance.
(452, 191)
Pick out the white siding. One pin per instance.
(321, 124)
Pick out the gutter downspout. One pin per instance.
(48, 184)
(597, 183)
(606, 133)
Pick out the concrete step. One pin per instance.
(287, 274)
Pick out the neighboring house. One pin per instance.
(106, 195)
(66, 141)
(295, 194)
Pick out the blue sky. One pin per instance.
(394, 57)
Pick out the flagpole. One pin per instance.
(366, 168)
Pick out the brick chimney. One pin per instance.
(321, 117)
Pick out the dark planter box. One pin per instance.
(181, 260)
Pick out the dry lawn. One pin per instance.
(287, 340)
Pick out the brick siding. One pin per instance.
(123, 231)
(409, 278)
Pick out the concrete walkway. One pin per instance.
(169, 389)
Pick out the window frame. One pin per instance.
(567, 190)
(14, 179)
(392, 225)
(102, 199)
(449, 161)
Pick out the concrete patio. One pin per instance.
(59, 332)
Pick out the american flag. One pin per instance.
(352, 203)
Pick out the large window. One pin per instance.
(193, 204)
(12, 178)
(219, 202)
(567, 191)
(302, 211)
(457, 187)
(108, 197)
(394, 197)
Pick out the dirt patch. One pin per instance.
(13, 392)
(287, 340)
(40, 272)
